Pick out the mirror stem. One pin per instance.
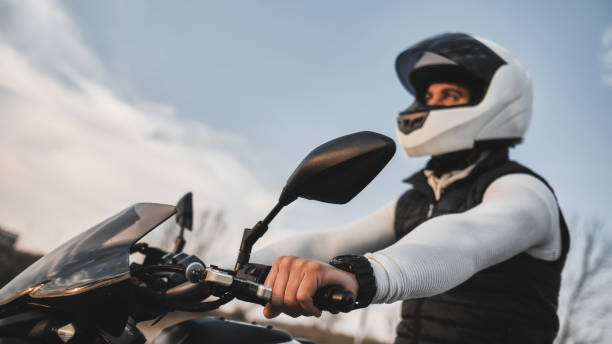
(179, 243)
(251, 235)
(277, 208)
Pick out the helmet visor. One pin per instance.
(456, 49)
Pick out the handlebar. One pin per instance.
(247, 284)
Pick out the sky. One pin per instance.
(105, 104)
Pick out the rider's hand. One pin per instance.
(294, 281)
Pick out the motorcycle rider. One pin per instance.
(476, 247)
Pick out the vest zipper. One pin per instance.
(437, 188)
(431, 209)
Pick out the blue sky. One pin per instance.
(287, 75)
(262, 83)
(241, 91)
(105, 104)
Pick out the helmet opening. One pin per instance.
(421, 78)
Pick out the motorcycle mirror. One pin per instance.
(184, 211)
(334, 172)
(338, 170)
(184, 217)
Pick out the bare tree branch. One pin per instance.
(587, 308)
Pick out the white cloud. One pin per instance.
(72, 152)
(606, 42)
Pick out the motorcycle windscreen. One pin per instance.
(94, 258)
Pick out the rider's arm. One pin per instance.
(370, 234)
(518, 213)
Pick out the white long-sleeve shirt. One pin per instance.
(518, 213)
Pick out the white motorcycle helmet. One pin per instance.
(501, 95)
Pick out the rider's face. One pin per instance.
(447, 94)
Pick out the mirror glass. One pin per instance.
(338, 170)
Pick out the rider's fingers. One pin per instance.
(280, 281)
(271, 275)
(307, 289)
(271, 311)
(293, 283)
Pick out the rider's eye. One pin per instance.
(452, 95)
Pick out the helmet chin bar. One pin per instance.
(443, 130)
(479, 145)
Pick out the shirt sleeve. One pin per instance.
(371, 233)
(518, 214)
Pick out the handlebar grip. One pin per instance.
(334, 299)
(331, 298)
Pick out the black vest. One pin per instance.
(511, 302)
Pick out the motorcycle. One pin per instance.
(86, 290)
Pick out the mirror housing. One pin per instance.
(184, 211)
(336, 171)
(184, 218)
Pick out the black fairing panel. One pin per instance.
(210, 330)
(95, 258)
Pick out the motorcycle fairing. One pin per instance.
(94, 258)
(218, 330)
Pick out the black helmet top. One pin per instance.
(451, 57)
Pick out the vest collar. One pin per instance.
(438, 184)
(426, 181)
